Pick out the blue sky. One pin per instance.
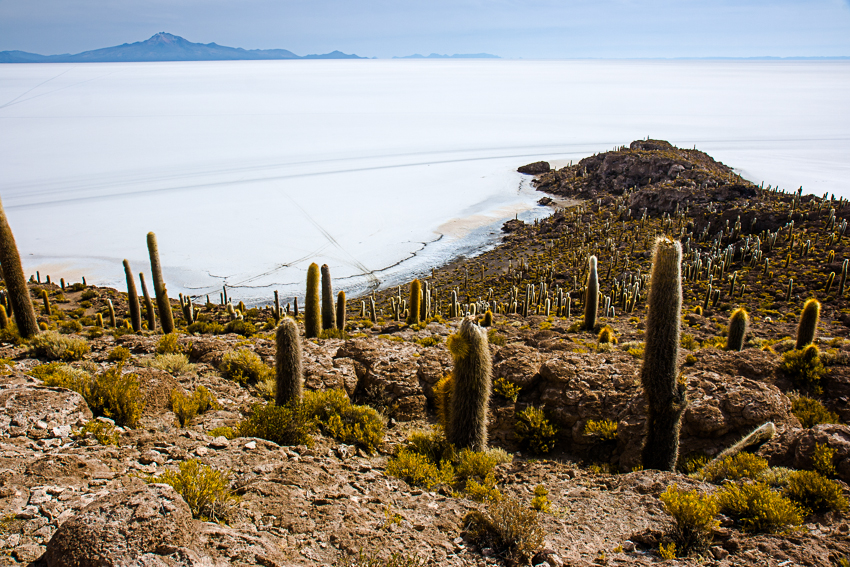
(383, 28)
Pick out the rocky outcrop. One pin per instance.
(40, 412)
(535, 168)
(137, 524)
(795, 447)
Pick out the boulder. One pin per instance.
(137, 521)
(535, 168)
(36, 411)
(794, 447)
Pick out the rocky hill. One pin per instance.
(138, 448)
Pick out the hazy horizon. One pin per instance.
(540, 29)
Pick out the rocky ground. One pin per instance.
(67, 498)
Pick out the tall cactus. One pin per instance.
(415, 302)
(4, 319)
(340, 310)
(328, 313)
(665, 393)
(738, 324)
(166, 318)
(46, 300)
(808, 324)
(312, 308)
(16, 283)
(133, 298)
(288, 366)
(591, 298)
(472, 377)
(151, 316)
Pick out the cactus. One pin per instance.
(749, 442)
(340, 310)
(488, 319)
(312, 308)
(98, 320)
(373, 310)
(288, 370)
(4, 319)
(151, 316)
(738, 323)
(277, 313)
(46, 301)
(112, 322)
(665, 393)
(415, 302)
(591, 297)
(467, 424)
(808, 324)
(328, 313)
(133, 298)
(166, 318)
(16, 283)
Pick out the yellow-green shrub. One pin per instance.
(176, 363)
(205, 490)
(823, 459)
(505, 388)
(104, 432)
(431, 444)
(602, 430)
(735, 467)
(54, 346)
(534, 431)
(757, 508)
(417, 470)
(811, 412)
(474, 464)
(815, 492)
(285, 425)
(168, 344)
(223, 431)
(344, 421)
(541, 502)
(507, 526)
(804, 368)
(693, 513)
(185, 407)
(243, 366)
(119, 354)
(60, 375)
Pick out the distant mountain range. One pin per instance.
(455, 56)
(165, 47)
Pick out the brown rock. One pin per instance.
(535, 168)
(22, 407)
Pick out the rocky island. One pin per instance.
(121, 444)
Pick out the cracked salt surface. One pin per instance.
(249, 171)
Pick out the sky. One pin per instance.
(535, 29)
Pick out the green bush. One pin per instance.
(804, 368)
(602, 430)
(757, 508)
(432, 445)
(474, 464)
(815, 492)
(105, 433)
(70, 327)
(508, 527)
(240, 327)
(223, 431)
(344, 421)
(168, 344)
(285, 425)
(496, 338)
(333, 334)
(735, 467)
(176, 364)
(206, 328)
(693, 513)
(119, 354)
(507, 389)
(534, 431)
(185, 407)
(60, 375)
(54, 346)
(823, 459)
(88, 294)
(244, 366)
(418, 470)
(811, 412)
(116, 396)
(373, 560)
(205, 490)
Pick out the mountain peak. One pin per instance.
(165, 37)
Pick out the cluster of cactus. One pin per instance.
(188, 309)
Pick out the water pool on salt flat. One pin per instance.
(249, 171)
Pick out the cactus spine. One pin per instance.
(415, 302)
(328, 314)
(16, 283)
(133, 299)
(808, 325)
(166, 318)
(591, 297)
(151, 316)
(288, 370)
(467, 424)
(738, 323)
(312, 308)
(665, 393)
(340, 310)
